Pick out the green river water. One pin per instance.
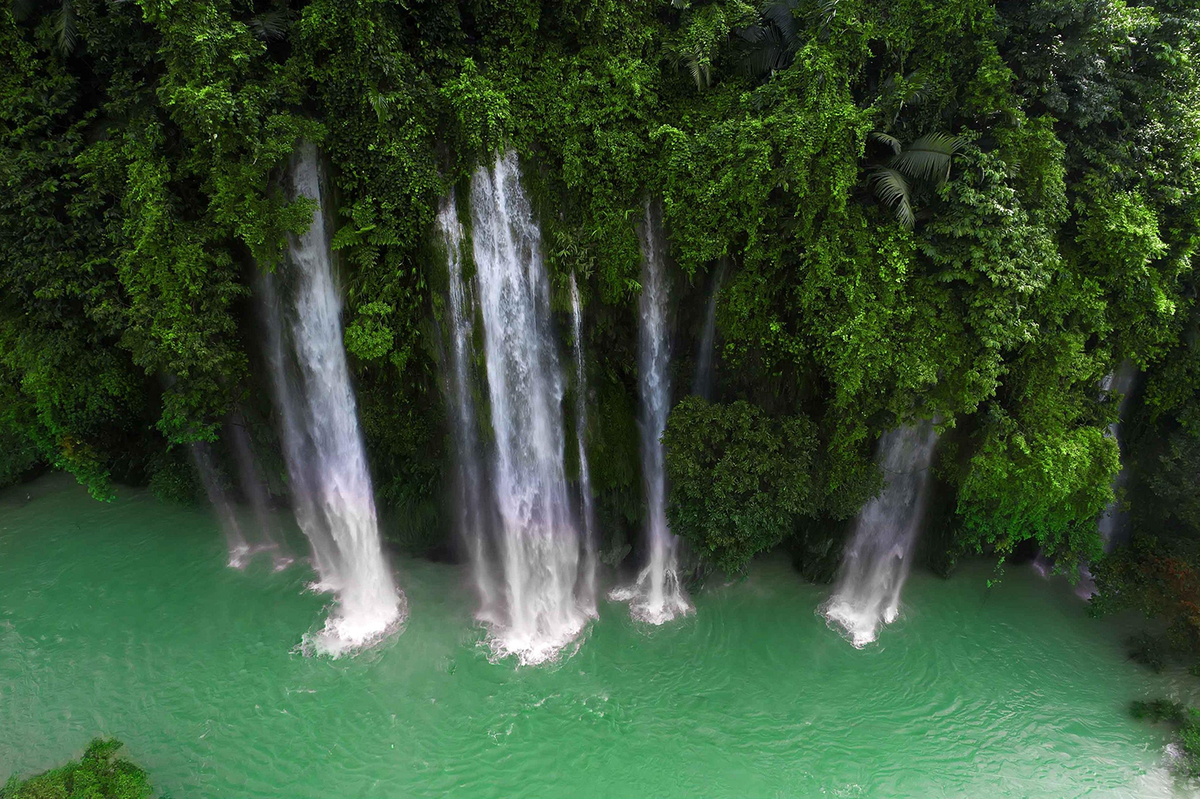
(122, 619)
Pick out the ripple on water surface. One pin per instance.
(122, 619)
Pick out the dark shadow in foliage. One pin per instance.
(1149, 650)
(769, 45)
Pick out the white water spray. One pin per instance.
(878, 558)
(330, 484)
(657, 596)
(539, 546)
(587, 569)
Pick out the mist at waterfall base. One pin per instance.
(122, 619)
(254, 490)
(528, 557)
(245, 536)
(221, 503)
(329, 482)
(657, 596)
(878, 556)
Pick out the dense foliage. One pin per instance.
(99, 774)
(962, 209)
(738, 478)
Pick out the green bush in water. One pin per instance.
(99, 774)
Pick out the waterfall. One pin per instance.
(656, 597)
(1114, 522)
(214, 489)
(254, 489)
(587, 587)
(702, 384)
(879, 555)
(539, 547)
(329, 481)
(471, 506)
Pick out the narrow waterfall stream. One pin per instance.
(702, 384)
(218, 497)
(472, 504)
(1114, 521)
(330, 483)
(538, 542)
(254, 490)
(657, 596)
(879, 555)
(587, 570)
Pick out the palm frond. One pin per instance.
(765, 55)
(699, 71)
(66, 28)
(828, 10)
(382, 105)
(270, 25)
(891, 187)
(752, 33)
(919, 87)
(781, 14)
(929, 157)
(887, 139)
(23, 9)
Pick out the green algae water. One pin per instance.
(123, 619)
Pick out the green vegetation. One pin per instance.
(1185, 720)
(99, 774)
(738, 480)
(965, 209)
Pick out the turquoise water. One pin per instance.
(122, 619)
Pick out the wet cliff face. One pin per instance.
(975, 214)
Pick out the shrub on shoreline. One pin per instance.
(99, 774)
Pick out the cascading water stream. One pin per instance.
(330, 484)
(218, 497)
(472, 502)
(254, 489)
(1114, 522)
(702, 384)
(878, 558)
(657, 596)
(539, 546)
(297, 446)
(587, 570)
